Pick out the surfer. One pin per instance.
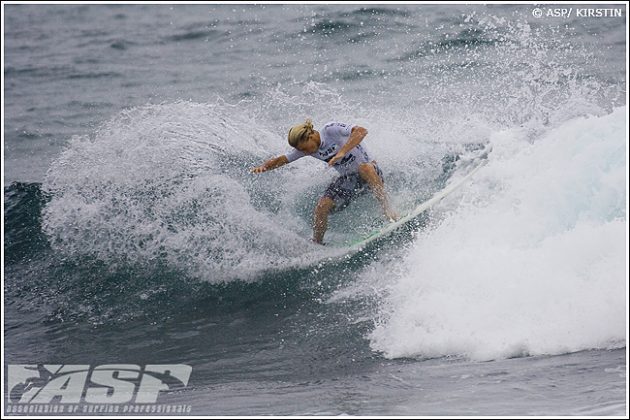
(339, 145)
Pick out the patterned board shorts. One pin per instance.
(348, 187)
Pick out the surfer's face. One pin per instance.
(310, 144)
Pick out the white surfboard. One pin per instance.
(437, 197)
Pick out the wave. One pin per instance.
(466, 38)
(72, 286)
(23, 236)
(205, 34)
(379, 11)
(59, 72)
(121, 44)
(329, 27)
(529, 260)
(75, 287)
(94, 75)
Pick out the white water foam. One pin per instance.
(529, 259)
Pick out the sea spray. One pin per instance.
(171, 183)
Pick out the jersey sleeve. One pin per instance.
(339, 130)
(294, 155)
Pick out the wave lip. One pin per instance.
(531, 261)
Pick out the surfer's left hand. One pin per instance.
(335, 158)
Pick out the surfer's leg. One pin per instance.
(370, 174)
(336, 197)
(320, 219)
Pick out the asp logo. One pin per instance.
(104, 384)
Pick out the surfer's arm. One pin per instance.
(356, 136)
(271, 164)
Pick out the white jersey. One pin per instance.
(334, 136)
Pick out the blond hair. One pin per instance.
(300, 132)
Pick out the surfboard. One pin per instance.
(384, 231)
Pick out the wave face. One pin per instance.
(527, 260)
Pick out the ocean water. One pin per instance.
(134, 232)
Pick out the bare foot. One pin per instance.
(391, 215)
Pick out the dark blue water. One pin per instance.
(135, 234)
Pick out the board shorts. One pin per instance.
(348, 187)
